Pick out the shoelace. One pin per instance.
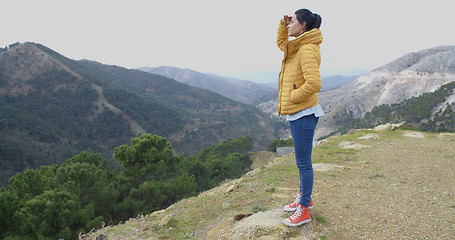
(297, 213)
(297, 198)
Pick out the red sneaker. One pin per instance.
(300, 217)
(293, 206)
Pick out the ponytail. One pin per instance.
(317, 21)
(313, 20)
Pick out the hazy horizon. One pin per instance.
(235, 38)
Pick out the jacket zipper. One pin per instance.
(282, 77)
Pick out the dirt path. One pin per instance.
(102, 102)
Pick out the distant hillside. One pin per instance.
(236, 89)
(433, 111)
(54, 107)
(332, 82)
(409, 76)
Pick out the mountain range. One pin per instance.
(54, 107)
(248, 92)
(243, 91)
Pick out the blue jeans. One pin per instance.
(302, 131)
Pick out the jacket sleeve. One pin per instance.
(282, 37)
(309, 62)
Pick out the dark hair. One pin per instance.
(313, 20)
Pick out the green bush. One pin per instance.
(280, 143)
(59, 202)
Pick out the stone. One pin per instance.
(351, 145)
(414, 135)
(215, 232)
(369, 136)
(324, 167)
(165, 220)
(402, 125)
(282, 151)
(231, 188)
(383, 128)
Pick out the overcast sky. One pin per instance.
(225, 37)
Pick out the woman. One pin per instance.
(299, 83)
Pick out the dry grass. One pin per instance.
(398, 188)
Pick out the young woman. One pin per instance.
(299, 83)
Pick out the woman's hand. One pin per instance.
(286, 20)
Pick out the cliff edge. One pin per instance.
(369, 184)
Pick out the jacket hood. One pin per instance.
(314, 36)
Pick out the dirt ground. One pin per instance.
(399, 188)
(394, 185)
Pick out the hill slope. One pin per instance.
(368, 185)
(409, 76)
(54, 107)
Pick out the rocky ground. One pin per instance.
(368, 185)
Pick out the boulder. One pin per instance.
(383, 128)
(282, 151)
(402, 125)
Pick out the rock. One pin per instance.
(443, 134)
(268, 237)
(351, 145)
(157, 212)
(282, 151)
(101, 237)
(402, 125)
(369, 136)
(213, 234)
(231, 188)
(253, 226)
(383, 128)
(249, 174)
(324, 167)
(414, 135)
(393, 127)
(165, 220)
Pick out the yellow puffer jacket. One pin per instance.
(300, 80)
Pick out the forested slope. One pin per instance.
(54, 107)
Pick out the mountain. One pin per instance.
(244, 91)
(236, 89)
(336, 81)
(407, 77)
(54, 107)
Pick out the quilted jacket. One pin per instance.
(299, 81)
